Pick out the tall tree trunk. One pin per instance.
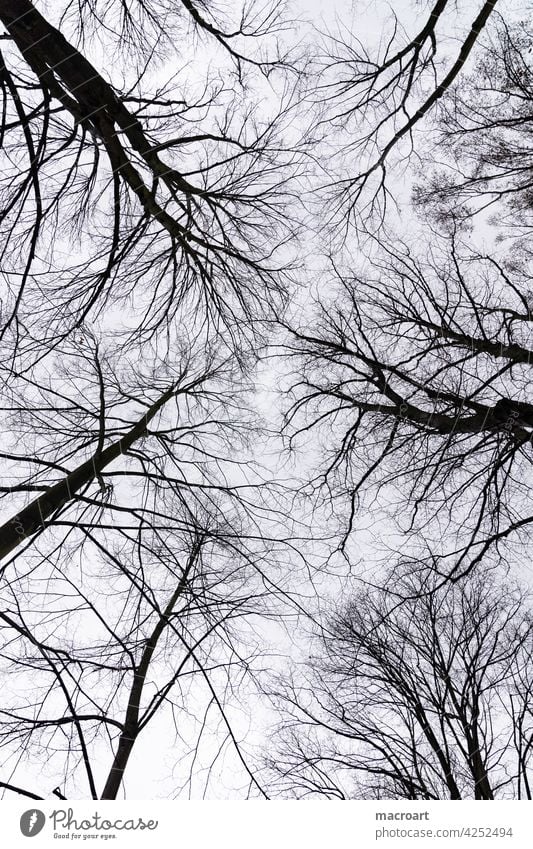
(482, 788)
(131, 728)
(92, 101)
(33, 517)
(447, 772)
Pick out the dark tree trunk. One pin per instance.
(33, 517)
(131, 728)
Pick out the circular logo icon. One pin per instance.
(32, 822)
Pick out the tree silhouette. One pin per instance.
(419, 372)
(415, 692)
(377, 94)
(483, 139)
(174, 196)
(157, 628)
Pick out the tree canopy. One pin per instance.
(265, 330)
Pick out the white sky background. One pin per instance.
(150, 771)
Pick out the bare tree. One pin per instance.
(107, 439)
(418, 374)
(175, 193)
(135, 575)
(414, 693)
(481, 157)
(155, 629)
(377, 93)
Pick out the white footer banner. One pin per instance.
(274, 824)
